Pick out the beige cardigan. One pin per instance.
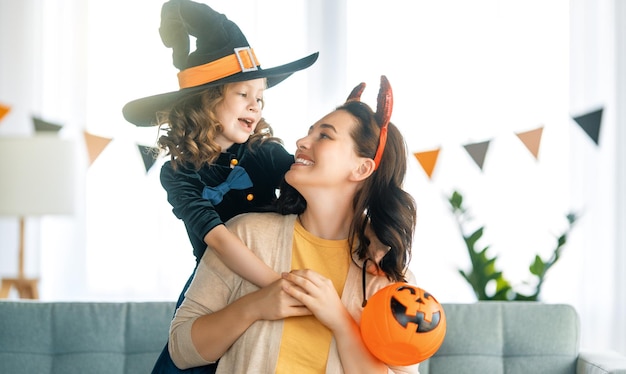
(214, 286)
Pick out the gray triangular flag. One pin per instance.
(478, 151)
(45, 126)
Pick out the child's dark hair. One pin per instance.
(191, 127)
(389, 209)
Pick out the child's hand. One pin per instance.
(273, 303)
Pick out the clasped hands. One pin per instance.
(301, 292)
(304, 292)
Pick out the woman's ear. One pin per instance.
(364, 170)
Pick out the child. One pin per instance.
(215, 129)
(215, 133)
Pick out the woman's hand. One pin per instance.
(318, 294)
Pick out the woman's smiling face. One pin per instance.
(326, 156)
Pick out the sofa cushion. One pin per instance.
(507, 337)
(39, 337)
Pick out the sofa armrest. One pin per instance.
(606, 362)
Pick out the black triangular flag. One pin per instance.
(590, 122)
(45, 126)
(148, 154)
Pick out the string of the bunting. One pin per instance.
(95, 144)
(590, 122)
(478, 151)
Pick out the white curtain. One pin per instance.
(618, 337)
(462, 72)
(42, 74)
(598, 71)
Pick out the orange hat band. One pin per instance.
(242, 60)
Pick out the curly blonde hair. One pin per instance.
(191, 127)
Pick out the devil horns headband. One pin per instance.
(384, 108)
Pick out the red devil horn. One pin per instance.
(385, 102)
(355, 95)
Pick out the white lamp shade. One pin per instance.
(37, 175)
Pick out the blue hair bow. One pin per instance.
(238, 179)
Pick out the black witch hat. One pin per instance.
(222, 55)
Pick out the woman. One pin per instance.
(347, 177)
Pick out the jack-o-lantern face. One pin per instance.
(402, 324)
(410, 304)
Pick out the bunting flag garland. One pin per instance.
(590, 123)
(95, 145)
(478, 151)
(4, 110)
(428, 160)
(531, 140)
(45, 126)
(148, 154)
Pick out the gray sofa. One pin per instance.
(483, 338)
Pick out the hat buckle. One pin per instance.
(255, 63)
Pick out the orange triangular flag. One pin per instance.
(95, 145)
(531, 140)
(478, 151)
(4, 110)
(428, 160)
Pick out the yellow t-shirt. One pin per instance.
(305, 341)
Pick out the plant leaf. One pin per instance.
(537, 267)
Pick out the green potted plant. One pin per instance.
(484, 271)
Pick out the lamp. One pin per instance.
(37, 178)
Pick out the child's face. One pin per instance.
(240, 111)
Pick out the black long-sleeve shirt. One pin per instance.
(266, 163)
